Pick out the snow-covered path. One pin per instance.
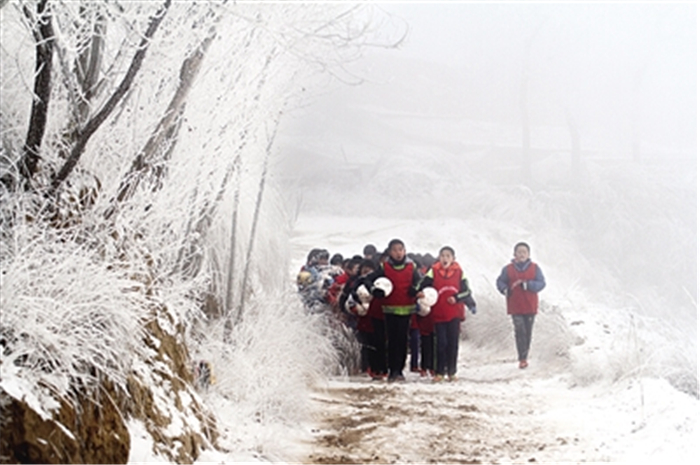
(583, 397)
(497, 413)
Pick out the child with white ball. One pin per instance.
(453, 293)
(395, 284)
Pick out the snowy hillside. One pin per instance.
(616, 238)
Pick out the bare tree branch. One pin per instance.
(101, 116)
(166, 131)
(253, 230)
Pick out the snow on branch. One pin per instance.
(107, 109)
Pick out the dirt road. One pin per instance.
(493, 413)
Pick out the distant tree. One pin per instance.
(524, 103)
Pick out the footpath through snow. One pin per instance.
(597, 387)
(496, 413)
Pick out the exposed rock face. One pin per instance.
(93, 429)
(163, 398)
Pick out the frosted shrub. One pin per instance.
(263, 375)
(67, 318)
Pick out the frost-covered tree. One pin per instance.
(132, 133)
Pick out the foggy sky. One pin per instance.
(621, 70)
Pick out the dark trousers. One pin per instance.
(427, 352)
(377, 359)
(447, 347)
(422, 352)
(397, 342)
(366, 342)
(523, 334)
(415, 347)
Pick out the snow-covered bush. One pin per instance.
(262, 372)
(68, 319)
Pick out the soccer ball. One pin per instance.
(430, 297)
(363, 294)
(423, 310)
(384, 284)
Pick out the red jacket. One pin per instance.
(334, 290)
(364, 324)
(520, 301)
(375, 309)
(400, 301)
(447, 282)
(424, 324)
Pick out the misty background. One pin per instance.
(622, 76)
(570, 126)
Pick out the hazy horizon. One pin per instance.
(624, 74)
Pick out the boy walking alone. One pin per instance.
(520, 281)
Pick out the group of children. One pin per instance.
(393, 300)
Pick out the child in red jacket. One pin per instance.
(396, 305)
(422, 332)
(422, 329)
(447, 277)
(520, 281)
(370, 322)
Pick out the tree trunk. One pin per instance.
(575, 145)
(525, 121)
(232, 243)
(87, 67)
(44, 37)
(526, 174)
(256, 215)
(152, 158)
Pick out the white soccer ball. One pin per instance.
(384, 284)
(362, 309)
(430, 297)
(363, 294)
(423, 310)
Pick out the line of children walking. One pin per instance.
(380, 297)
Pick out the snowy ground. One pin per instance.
(582, 398)
(496, 413)
(593, 391)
